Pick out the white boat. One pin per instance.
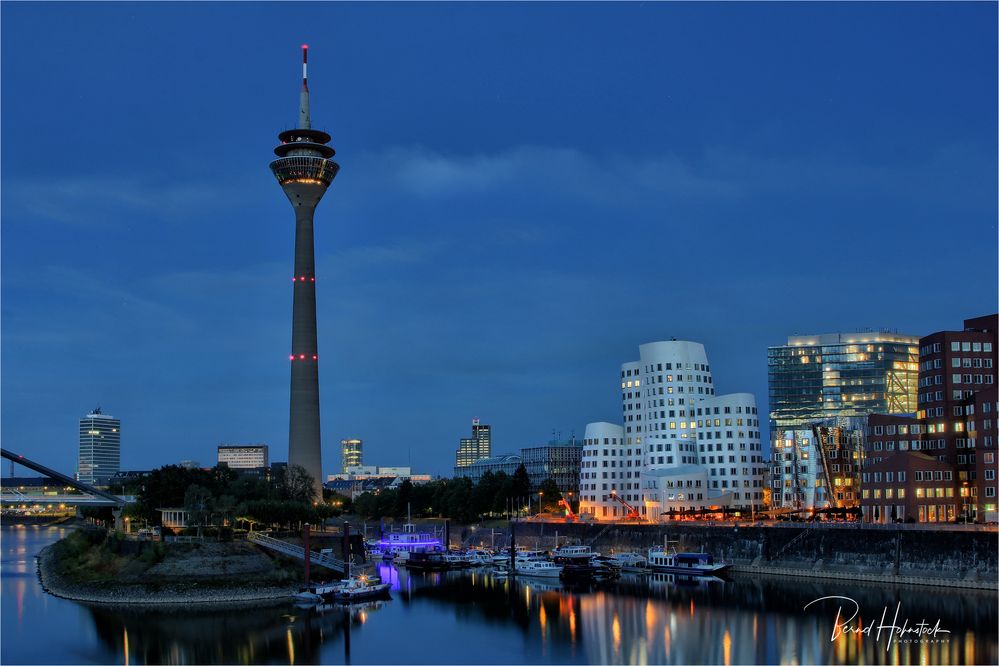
(503, 559)
(630, 562)
(357, 588)
(478, 558)
(579, 554)
(456, 561)
(537, 567)
(668, 560)
(316, 592)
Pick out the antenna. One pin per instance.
(304, 114)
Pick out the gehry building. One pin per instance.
(680, 447)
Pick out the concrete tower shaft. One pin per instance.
(304, 170)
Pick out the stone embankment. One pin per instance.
(202, 578)
(930, 557)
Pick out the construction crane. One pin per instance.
(632, 511)
(570, 516)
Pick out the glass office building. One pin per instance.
(100, 448)
(818, 377)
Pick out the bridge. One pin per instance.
(298, 552)
(14, 498)
(97, 497)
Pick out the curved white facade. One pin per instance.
(669, 440)
(607, 465)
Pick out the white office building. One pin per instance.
(100, 448)
(243, 456)
(681, 447)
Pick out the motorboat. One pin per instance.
(537, 567)
(316, 592)
(359, 588)
(577, 554)
(630, 562)
(478, 558)
(665, 559)
(456, 561)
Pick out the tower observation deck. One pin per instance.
(304, 170)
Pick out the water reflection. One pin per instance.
(656, 619)
(188, 635)
(642, 620)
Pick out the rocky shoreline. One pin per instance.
(165, 594)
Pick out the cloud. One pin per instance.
(954, 175)
(100, 200)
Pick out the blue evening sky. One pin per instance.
(528, 192)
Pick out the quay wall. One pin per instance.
(953, 558)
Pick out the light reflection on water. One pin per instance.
(491, 620)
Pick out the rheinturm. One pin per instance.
(304, 170)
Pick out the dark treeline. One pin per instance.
(222, 497)
(460, 499)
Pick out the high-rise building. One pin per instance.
(100, 448)
(818, 377)
(954, 426)
(304, 170)
(954, 366)
(351, 453)
(479, 445)
(243, 456)
(681, 448)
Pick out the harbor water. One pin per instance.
(473, 617)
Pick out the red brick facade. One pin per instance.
(955, 426)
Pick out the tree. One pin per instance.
(504, 493)
(167, 487)
(521, 482)
(894, 513)
(877, 513)
(296, 484)
(550, 495)
(404, 498)
(198, 503)
(484, 494)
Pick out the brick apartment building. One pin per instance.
(954, 426)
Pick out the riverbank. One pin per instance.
(164, 574)
(924, 558)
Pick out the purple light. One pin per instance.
(409, 543)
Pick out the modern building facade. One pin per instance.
(818, 377)
(100, 448)
(243, 456)
(555, 460)
(351, 453)
(681, 447)
(983, 419)
(817, 467)
(911, 486)
(954, 367)
(304, 170)
(954, 426)
(558, 461)
(479, 445)
(503, 462)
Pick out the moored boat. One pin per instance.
(427, 561)
(537, 567)
(630, 562)
(359, 588)
(668, 560)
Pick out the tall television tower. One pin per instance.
(304, 170)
